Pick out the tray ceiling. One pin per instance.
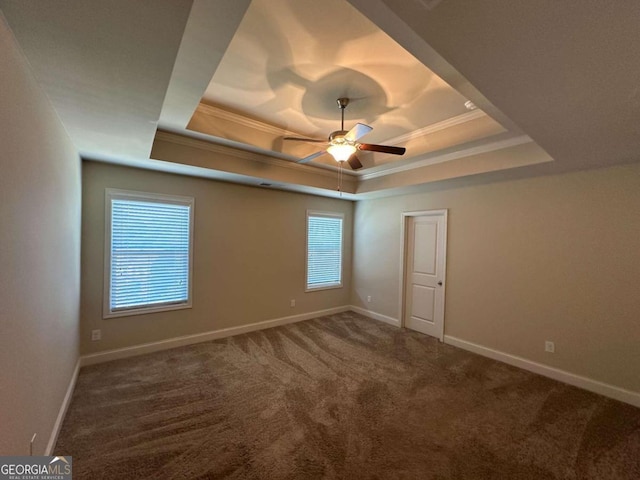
(289, 61)
(210, 87)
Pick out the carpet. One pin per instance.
(339, 397)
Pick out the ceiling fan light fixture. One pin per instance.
(343, 144)
(341, 152)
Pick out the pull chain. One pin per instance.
(340, 178)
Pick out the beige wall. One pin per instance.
(549, 258)
(249, 256)
(39, 257)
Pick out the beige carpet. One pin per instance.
(339, 397)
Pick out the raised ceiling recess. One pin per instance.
(288, 62)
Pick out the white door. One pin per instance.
(425, 234)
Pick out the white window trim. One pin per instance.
(113, 193)
(317, 213)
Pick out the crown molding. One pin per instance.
(239, 152)
(202, 144)
(438, 126)
(240, 119)
(440, 158)
(327, 171)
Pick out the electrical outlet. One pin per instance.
(96, 335)
(292, 303)
(549, 347)
(369, 298)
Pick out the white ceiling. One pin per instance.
(105, 65)
(224, 80)
(566, 72)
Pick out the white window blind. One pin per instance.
(324, 250)
(149, 252)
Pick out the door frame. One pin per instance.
(403, 260)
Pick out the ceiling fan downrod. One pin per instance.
(342, 104)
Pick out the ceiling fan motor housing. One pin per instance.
(343, 102)
(337, 137)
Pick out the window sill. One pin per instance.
(323, 287)
(145, 310)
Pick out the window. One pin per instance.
(147, 252)
(324, 250)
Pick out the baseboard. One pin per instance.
(63, 410)
(376, 316)
(135, 350)
(605, 389)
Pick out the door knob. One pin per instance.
(440, 283)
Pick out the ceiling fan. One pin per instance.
(342, 144)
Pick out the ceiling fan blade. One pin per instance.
(300, 139)
(382, 148)
(359, 131)
(354, 162)
(313, 156)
